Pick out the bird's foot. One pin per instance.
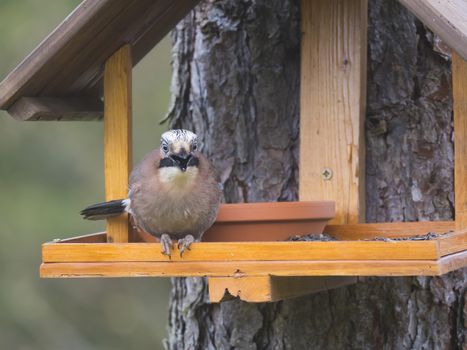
(185, 243)
(166, 244)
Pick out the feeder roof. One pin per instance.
(64, 72)
(62, 77)
(447, 18)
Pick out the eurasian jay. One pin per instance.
(173, 193)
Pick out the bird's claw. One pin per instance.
(185, 243)
(166, 245)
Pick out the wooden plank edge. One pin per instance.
(242, 251)
(452, 262)
(452, 243)
(252, 268)
(60, 109)
(388, 229)
(100, 237)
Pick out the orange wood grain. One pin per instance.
(459, 92)
(252, 288)
(257, 268)
(243, 251)
(389, 229)
(448, 243)
(271, 288)
(332, 104)
(117, 136)
(452, 243)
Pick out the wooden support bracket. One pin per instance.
(66, 108)
(117, 136)
(332, 108)
(259, 289)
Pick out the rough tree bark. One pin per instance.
(236, 84)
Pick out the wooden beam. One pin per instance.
(244, 251)
(258, 268)
(452, 243)
(446, 18)
(270, 288)
(333, 95)
(459, 92)
(46, 108)
(117, 136)
(333, 68)
(388, 229)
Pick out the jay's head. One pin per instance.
(179, 150)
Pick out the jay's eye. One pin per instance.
(165, 148)
(194, 147)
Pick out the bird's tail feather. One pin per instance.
(105, 210)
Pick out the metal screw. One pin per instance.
(326, 174)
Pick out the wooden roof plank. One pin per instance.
(70, 61)
(84, 70)
(446, 18)
(30, 74)
(67, 108)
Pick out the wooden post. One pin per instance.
(459, 91)
(333, 95)
(117, 136)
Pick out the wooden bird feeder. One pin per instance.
(91, 54)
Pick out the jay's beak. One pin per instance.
(181, 159)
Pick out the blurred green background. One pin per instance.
(48, 172)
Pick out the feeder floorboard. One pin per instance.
(269, 271)
(257, 251)
(237, 269)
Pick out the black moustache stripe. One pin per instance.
(169, 162)
(166, 162)
(194, 161)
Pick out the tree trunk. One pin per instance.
(236, 84)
